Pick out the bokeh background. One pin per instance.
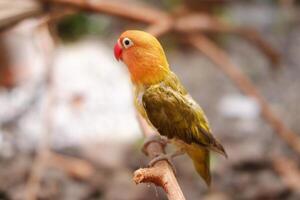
(68, 128)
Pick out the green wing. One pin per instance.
(175, 115)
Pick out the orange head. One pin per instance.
(144, 57)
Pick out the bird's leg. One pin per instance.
(168, 157)
(154, 138)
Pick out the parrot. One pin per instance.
(164, 103)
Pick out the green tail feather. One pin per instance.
(200, 157)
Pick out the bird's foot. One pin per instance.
(167, 157)
(154, 138)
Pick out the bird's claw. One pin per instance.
(166, 157)
(154, 138)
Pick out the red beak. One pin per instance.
(118, 51)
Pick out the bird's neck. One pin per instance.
(170, 80)
(147, 75)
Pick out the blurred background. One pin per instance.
(68, 128)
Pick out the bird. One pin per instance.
(164, 103)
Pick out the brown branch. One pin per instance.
(288, 171)
(221, 59)
(74, 167)
(137, 13)
(199, 22)
(13, 11)
(161, 28)
(161, 174)
(255, 38)
(41, 159)
(163, 22)
(203, 22)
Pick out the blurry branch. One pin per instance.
(161, 174)
(44, 157)
(162, 22)
(9, 82)
(121, 9)
(160, 28)
(43, 150)
(205, 23)
(13, 11)
(74, 167)
(221, 59)
(7, 78)
(254, 37)
(26, 107)
(289, 171)
(287, 3)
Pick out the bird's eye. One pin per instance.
(127, 43)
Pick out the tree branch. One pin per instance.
(289, 172)
(43, 150)
(74, 167)
(205, 23)
(137, 13)
(161, 174)
(13, 11)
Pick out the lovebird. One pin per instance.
(164, 102)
